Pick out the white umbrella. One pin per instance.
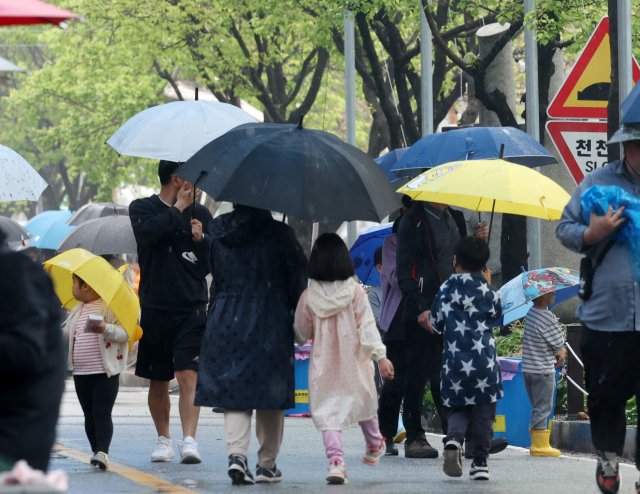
(176, 131)
(19, 181)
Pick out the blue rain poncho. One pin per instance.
(598, 199)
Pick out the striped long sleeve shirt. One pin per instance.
(542, 340)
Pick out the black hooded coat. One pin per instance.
(259, 273)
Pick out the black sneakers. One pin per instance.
(479, 469)
(392, 449)
(497, 445)
(239, 472)
(607, 473)
(264, 475)
(452, 459)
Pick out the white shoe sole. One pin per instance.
(261, 479)
(159, 459)
(238, 476)
(337, 479)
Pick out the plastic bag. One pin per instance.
(598, 199)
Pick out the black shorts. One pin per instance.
(170, 342)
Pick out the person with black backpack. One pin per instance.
(608, 311)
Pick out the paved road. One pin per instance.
(301, 460)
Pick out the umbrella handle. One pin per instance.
(202, 174)
(493, 208)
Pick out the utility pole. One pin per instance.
(533, 126)
(350, 98)
(426, 73)
(625, 55)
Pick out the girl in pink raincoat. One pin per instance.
(334, 312)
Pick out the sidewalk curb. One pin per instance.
(575, 436)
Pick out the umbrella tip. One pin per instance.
(501, 150)
(300, 121)
(196, 94)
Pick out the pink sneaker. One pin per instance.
(372, 455)
(337, 473)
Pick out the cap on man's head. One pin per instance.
(166, 169)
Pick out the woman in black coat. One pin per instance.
(246, 360)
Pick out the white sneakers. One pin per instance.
(164, 450)
(337, 473)
(189, 451)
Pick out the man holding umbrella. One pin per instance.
(172, 251)
(426, 236)
(610, 341)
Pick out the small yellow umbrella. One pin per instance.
(103, 278)
(490, 185)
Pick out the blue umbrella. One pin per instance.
(49, 228)
(363, 250)
(387, 162)
(473, 143)
(630, 108)
(516, 296)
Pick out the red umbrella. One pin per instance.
(24, 12)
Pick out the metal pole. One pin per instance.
(534, 226)
(625, 54)
(350, 98)
(426, 73)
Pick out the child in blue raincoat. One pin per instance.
(463, 311)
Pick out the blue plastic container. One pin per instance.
(302, 388)
(514, 411)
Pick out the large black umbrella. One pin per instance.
(97, 210)
(307, 174)
(13, 230)
(109, 235)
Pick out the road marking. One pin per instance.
(137, 476)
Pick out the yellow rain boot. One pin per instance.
(540, 444)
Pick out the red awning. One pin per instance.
(25, 12)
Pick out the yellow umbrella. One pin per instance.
(490, 185)
(103, 278)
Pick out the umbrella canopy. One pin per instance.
(177, 130)
(630, 108)
(104, 236)
(103, 278)
(473, 143)
(49, 228)
(490, 185)
(307, 174)
(362, 253)
(19, 181)
(516, 296)
(97, 210)
(389, 160)
(13, 230)
(26, 12)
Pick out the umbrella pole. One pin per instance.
(493, 208)
(202, 174)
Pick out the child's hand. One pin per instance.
(560, 358)
(97, 327)
(386, 369)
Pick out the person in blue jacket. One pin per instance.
(463, 311)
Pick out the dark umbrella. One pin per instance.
(307, 174)
(97, 210)
(109, 235)
(13, 230)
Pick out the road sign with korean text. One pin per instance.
(582, 145)
(585, 91)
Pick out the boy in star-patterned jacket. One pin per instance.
(464, 310)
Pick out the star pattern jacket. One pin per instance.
(463, 311)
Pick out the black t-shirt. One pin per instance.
(172, 266)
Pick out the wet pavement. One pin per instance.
(302, 461)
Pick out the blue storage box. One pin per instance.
(302, 388)
(514, 410)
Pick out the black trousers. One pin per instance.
(97, 394)
(416, 360)
(612, 377)
(481, 419)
